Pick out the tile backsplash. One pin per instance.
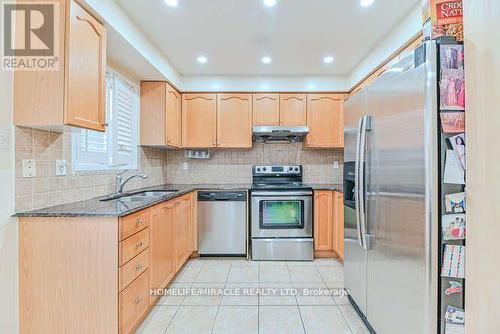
(234, 166)
(162, 166)
(47, 189)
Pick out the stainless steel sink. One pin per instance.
(139, 196)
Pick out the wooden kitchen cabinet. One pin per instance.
(325, 119)
(328, 224)
(75, 94)
(182, 230)
(234, 120)
(323, 220)
(338, 224)
(293, 109)
(199, 120)
(160, 115)
(161, 247)
(266, 109)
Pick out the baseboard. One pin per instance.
(325, 254)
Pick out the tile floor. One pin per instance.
(281, 307)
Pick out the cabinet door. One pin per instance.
(153, 117)
(86, 71)
(162, 264)
(173, 117)
(323, 220)
(293, 109)
(338, 224)
(182, 231)
(266, 109)
(199, 119)
(234, 120)
(325, 119)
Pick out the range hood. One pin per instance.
(279, 134)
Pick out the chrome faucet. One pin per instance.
(120, 183)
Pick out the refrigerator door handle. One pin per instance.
(366, 120)
(357, 197)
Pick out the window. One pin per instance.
(117, 147)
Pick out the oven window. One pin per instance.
(281, 214)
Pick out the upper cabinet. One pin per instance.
(325, 119)
(75, 94)
(266, 109)
(160, 115)
(293, 109)
(199, 120)
(234, 120)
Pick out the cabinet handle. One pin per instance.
(138, 301)
(139, 222)
(139, 267)
(139, 245)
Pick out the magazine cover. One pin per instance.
(447, 18)
(454, 320)
(458, 144)
(452, 57)
(452, 90)
(455, 203)
(453, 122)
(453, 261)
(454, 173)
(453, 227)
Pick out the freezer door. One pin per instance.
(354, 253)
(399, 153)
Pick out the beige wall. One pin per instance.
(8, 225)
(46, 189)
(482, 54)
(235, 166)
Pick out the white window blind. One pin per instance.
(117, 147)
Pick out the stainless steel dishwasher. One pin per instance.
(222, 222)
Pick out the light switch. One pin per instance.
(29, 168)
(185, 166)
(61, 169)
(4, 139)
(336, 164)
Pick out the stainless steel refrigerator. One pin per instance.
(391, 196)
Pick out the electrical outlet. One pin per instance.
(185, 166)
(29, 168)
(336, 164)
(61, 169)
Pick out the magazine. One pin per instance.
(453, 226)
(455, 203)
(453, 261)
(453, 122)
(454, 320)
(452, 57)
(458, 144)
(453, 170)
(452, 88)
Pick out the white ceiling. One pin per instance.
(236, 34)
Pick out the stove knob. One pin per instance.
(290, 169)
(264, 169)
(258, 169)
(296, 169)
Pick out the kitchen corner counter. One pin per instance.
(326, 186)
(115, 208)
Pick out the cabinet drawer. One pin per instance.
(133, 268)
(132, 246)
(134, 302)
(133, 223)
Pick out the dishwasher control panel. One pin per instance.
(207, 196)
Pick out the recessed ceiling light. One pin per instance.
(366, 3)
(172, 3)
(328, 60)
(266, 60)
(202, 59)
(269, 3)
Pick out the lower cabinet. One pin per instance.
(328, 224)
(99, 270)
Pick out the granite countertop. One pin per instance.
(117, 208)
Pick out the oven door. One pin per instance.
(281, 215)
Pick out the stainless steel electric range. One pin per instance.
(281, 214)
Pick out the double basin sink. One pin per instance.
(142, 196)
